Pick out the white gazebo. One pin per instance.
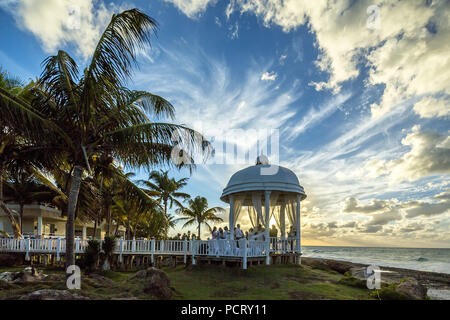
(266, 191)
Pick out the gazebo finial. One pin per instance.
(262, 159)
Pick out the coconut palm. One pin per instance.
(95, 115)
(22, 187)
(166, 189)
(199, 213)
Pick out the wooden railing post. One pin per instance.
(185, 250)
(153, 251)
(121, 250)
(244, 255)
(58, 249)
(192, 244)
(77, 244)
(27, 249)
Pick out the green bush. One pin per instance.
(91, 255)
(388, 292)
(108, 246)
(351, 281)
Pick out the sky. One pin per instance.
(358, 93)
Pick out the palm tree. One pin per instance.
(198, 212)
(95, 115)
(165, 189)
(22, 187)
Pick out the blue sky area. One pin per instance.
(362, 109)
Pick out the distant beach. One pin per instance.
(422, 259)
(431, 267)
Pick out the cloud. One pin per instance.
(234, 31)
(384, 218)
(372, 229)
(429, 154)
(409, 54)
(200, 85)
(192, 8)
(428, 209)
(430, 107)
(351, 205)
(58, 23)
(412, 227)
(315, 116)
(217, 21)
(269, 76)
(383, 212)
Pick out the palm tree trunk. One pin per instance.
(95, 228)
(21, 217)
(108, 220)
(5, 209)
(199, 225)
(165, 207)
(70, 226)
(12, 220)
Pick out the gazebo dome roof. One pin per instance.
(251, 179)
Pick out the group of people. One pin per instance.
(257, 233)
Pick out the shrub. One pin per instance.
(108, 246)
(388, 292)
(351, 281)
(91, 255)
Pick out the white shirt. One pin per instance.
(238, 233)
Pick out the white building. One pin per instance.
(44, 222)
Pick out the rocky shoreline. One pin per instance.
(437, 284)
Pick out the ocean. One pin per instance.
(423, 259)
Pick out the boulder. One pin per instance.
(325, 264)
(56, 277)
(29, 274)
(412, 288)
(339, 266)
(7, 276)
(100, 280)
(156, 282)
(49, 294)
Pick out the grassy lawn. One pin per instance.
(210, 282)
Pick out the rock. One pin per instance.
(100, 280)
(49, 294)
(412, 288)
(7, 276)
(29, 274)
(55, 277)
(156, 282)
(324, 264)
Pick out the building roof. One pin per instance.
(262, 177)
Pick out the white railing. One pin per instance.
(279, 245)
(218, 248)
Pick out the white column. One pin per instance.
(283, 226)
(267, 234)
(231, 217)
(84, 233)
(298, 230)
(39, 226)
(283, 220)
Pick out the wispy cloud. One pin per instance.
(269, 76)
